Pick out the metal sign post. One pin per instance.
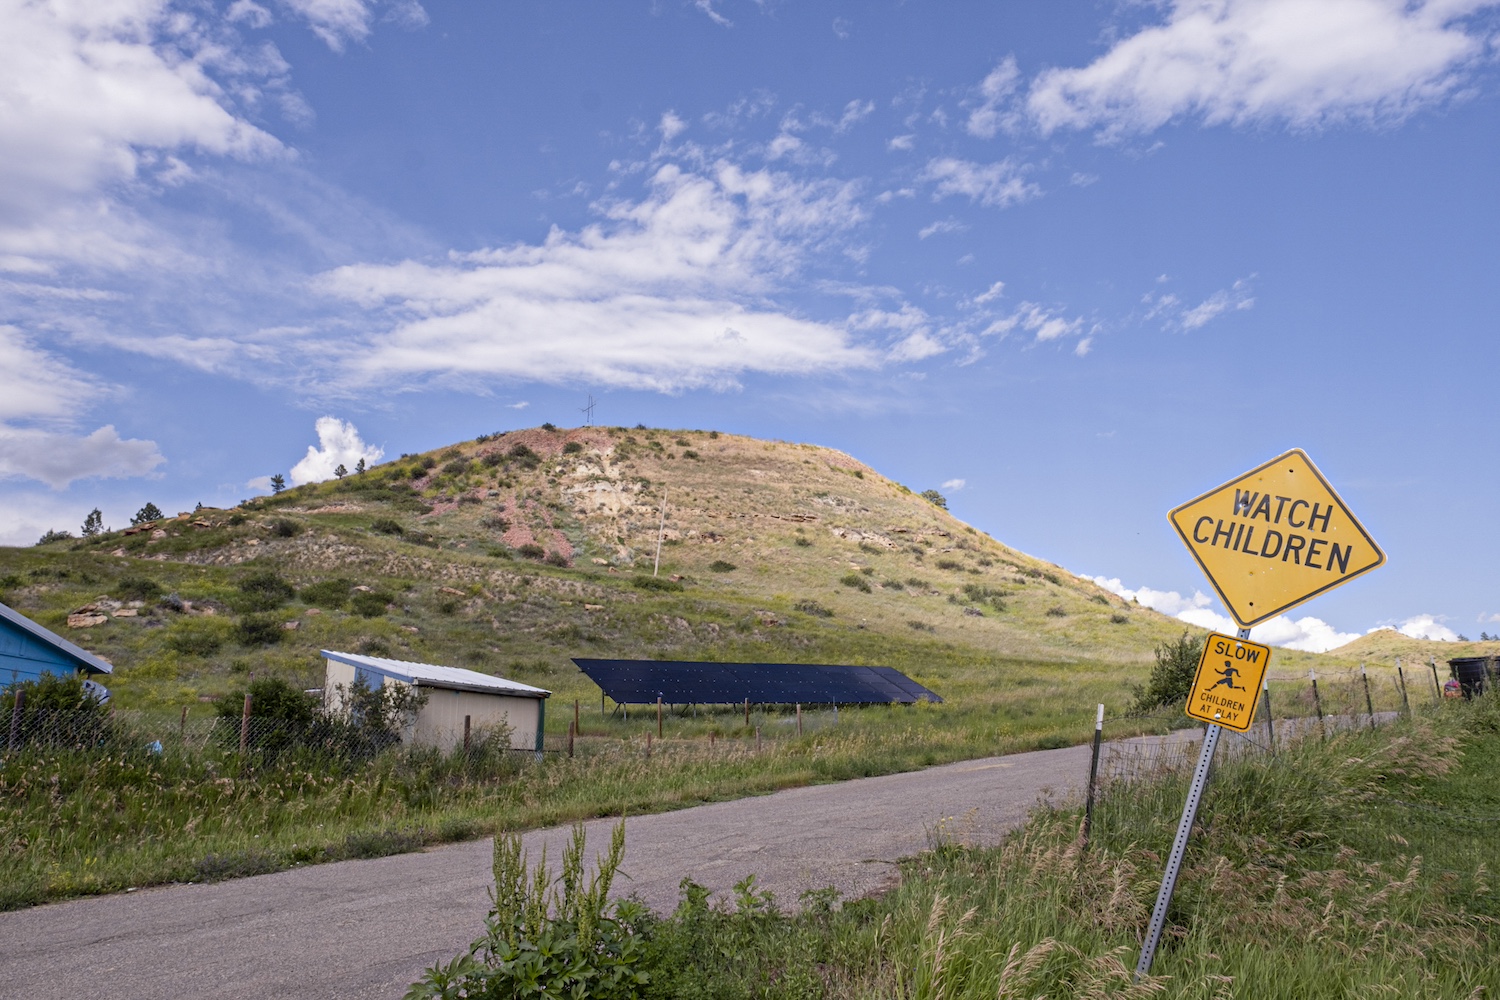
(1179, 844)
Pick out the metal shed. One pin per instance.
(27, 651)
(453, 696)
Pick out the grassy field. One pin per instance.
(509, 554)
(1357, 867)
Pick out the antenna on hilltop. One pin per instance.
(588, 412)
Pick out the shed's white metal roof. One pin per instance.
(435, 676)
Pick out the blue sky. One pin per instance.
(1072, 264)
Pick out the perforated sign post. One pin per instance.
(1268, 540)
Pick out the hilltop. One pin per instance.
(516, 550)
(1386, 645)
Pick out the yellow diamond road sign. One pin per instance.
(1275, 537)
(1226, 688)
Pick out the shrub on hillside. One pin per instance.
(137, 588)
(199, 636)
(370, 603)
(721, 566)
(811, 607)
(572, 448)
(387, 526)
(556, 559)
(645, 582)
(285, 527)
(856, 581)
(531, 550)
(328, 594)
(259, 630)
(263, 591)
(1172, 677)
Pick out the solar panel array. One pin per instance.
(642, 682)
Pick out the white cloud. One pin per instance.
(260, 484)
(986, 114)
(667, 293)
(671, 126)
(901, 142)
(339, 21)
(1426, 627)
(1244, 62)
(518, 406)
(707, 7)
(955, 484)
(40, 396)
(58, 459)
(994, 185)
(855, 112)
(97, 96)
(1175, 314)
(941, 226)
(338, 444)
(1308, 634)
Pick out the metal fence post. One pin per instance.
(1318, 704)
(245, 724)
(1369, 705)
(1437, 688)
(577, 725)
(1088, 809)
(1265, 691)
(1401, 683)
(658, 716)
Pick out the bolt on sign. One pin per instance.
(1226, 688)
(1275, 537)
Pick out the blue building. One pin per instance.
(27, 651)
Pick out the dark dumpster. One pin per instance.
(1475, 674)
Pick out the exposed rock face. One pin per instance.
(86, 620)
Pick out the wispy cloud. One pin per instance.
(669, 292)
(1175, 314)
(954, 485)
(994, 185)
(988, 109)
(949, 225)
(1247, 62)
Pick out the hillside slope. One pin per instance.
(517, 550)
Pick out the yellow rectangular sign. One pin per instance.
(1275, 537)
(1226, 688)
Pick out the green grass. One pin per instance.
(1359, 867)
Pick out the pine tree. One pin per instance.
(148, 513)
(93, 524)
(341, 472)
(278, 483)
(359, 467)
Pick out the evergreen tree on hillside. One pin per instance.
(359, 467)
(1172, 677)
(341, 472)
(278, 483)
(93, 524)
(147, 514)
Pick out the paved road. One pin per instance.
(367, 928)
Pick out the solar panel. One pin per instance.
(642, 682)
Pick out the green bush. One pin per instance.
(1172, 677)
(370, 603)
(720, 566)
(645, 582)
(531, 550)
(811, 607)
(457, 467)
(857, 581)
(572, 448)
(259, 630)
(556, 559)
(137, 588)
(328, 594)
(199, 636)
(1057, 611)
(387, 526)
(285, 527)
(549, 938)
(263, 591)
(802, 541)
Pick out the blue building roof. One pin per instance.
(27, 650)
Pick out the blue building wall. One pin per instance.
(24, 657)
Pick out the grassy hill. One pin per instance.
(515, 551)
(1385, 646)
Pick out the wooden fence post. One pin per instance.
(648, 744)
(1369, 705)
(468, 720)
(799, 718)
(572, 728)
(757, 739)
(182, 727)
(1317, 703)
(1401, 683)
(747, 709)
(245, 724)
(576, 723)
